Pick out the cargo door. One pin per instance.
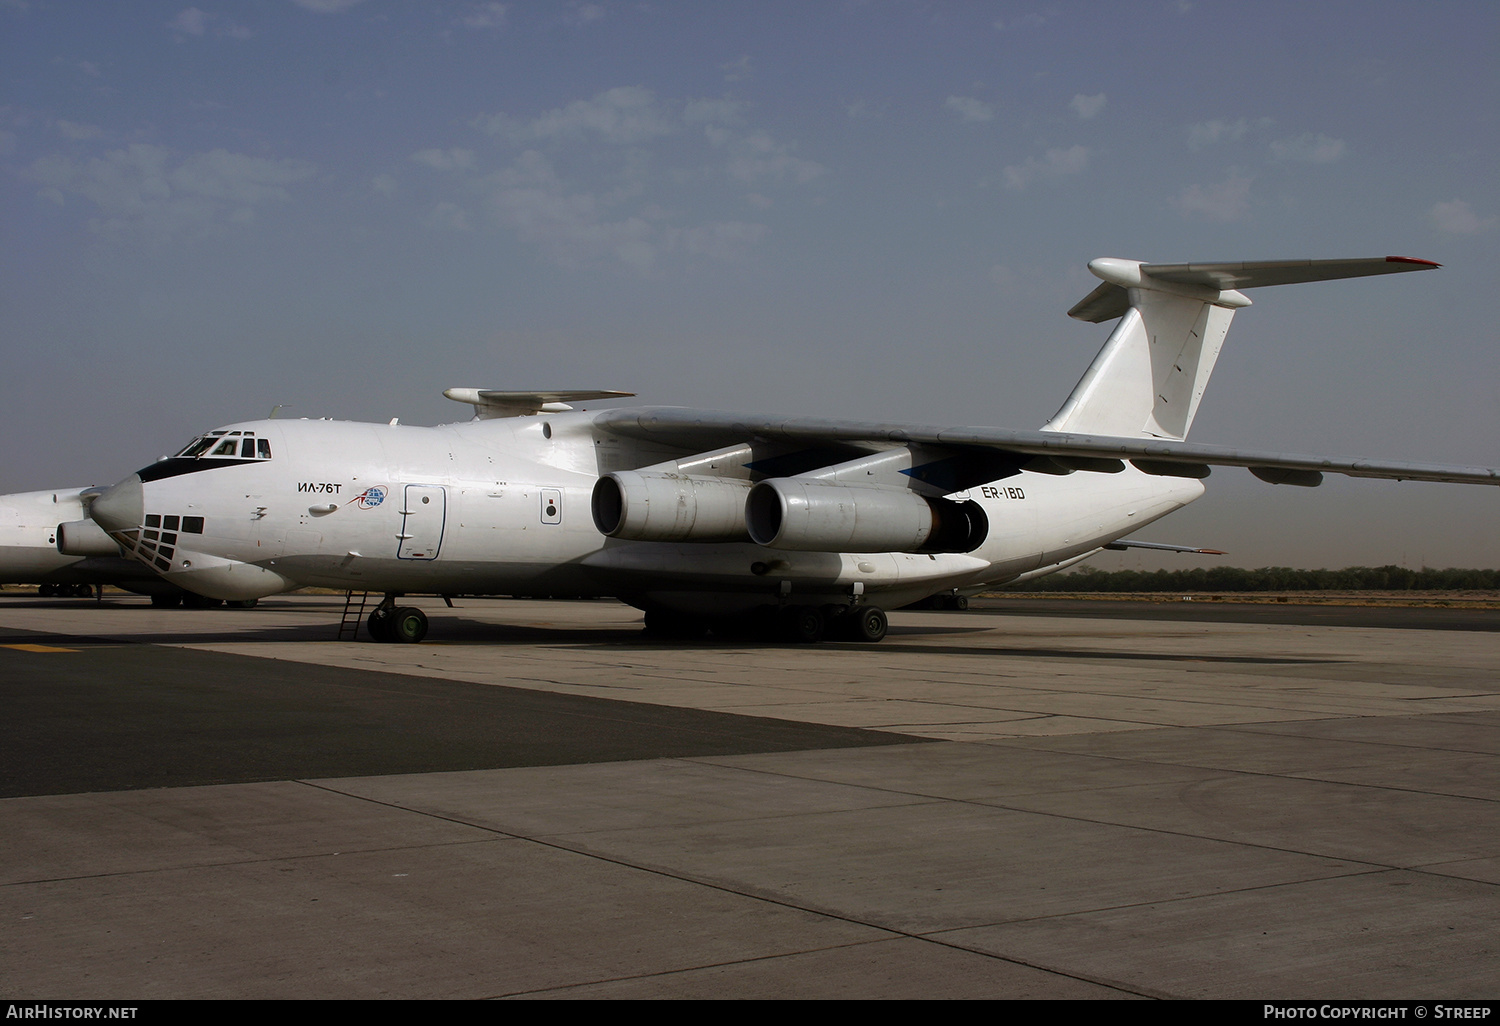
(423, 514)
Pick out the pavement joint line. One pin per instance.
(301, 857)
(1179, 899)
(1100, 982)
(1231, 728)
(740, 892)
(999, 804)
(1239, 728)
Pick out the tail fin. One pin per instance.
(1148, 379)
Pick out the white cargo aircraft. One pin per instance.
(34, 551)
(715, 521)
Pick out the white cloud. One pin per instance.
(1228, 200)
(193, 22)
(570, 226)
(969, 108)
(627, 205)
(327, 6)
(697, 112)
(485, 16)
(576, 226)
(146, 187)
(449, 217)
(737, 70)
(720, 239)
(1458, 218)
(446, 160)
(74, 131)
(1087, 107)
(1212, 133)
(757, 157)
(1052, 164)
(627, 115)
(1309, 148)
(385, 185)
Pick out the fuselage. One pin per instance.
(502, 506)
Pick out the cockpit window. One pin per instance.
(239, 444)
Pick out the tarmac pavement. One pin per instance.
(540, 802)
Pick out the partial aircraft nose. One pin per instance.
(120, 507)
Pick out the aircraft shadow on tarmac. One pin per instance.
(462, 631)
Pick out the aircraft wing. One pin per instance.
(1125, 545)
(980, 454)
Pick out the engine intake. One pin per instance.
(817, 516)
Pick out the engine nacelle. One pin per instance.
(817, 516)
(643, 505)
(85, 538)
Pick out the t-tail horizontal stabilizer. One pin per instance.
(1148, 379)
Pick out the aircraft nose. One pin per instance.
(120, 507)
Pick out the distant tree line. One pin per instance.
(1267, 578)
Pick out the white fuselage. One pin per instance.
(502, 506)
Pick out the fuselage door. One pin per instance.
(422, 519)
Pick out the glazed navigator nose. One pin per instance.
(120, 507)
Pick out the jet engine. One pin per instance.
(647, 506)
(85, 538)
(820, 516)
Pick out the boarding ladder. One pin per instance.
(354, 614)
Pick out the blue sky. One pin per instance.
(865, 210)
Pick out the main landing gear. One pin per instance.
(65, 591)
(389, 622)
(804, 625)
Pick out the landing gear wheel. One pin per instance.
(803, 624)
(379, 624)
(47, 590)
(408, 625)
(242, 603)
(867, 623)
(81, 591)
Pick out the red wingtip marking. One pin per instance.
(1412, 260)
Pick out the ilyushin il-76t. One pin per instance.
(722, 522)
